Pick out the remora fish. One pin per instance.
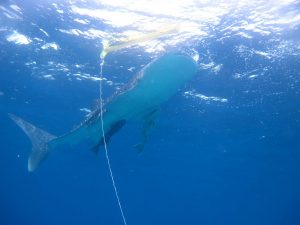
(152, 86)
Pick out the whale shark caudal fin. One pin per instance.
(39, 139)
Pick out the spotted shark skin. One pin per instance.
(153, 85)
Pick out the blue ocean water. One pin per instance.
(224, 149)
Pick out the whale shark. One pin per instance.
(140, 99)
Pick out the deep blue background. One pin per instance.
(206, 162)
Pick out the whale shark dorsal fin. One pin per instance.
(39, 139)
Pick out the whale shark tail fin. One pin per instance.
(39, 139)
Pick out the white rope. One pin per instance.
(105, 145)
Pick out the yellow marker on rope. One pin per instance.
(142, 38)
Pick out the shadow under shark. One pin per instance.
(152, 86)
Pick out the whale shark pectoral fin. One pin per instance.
(149, 122)
(115, 127)
(140, 147)
(95, 148)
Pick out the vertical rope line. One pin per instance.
(105, 145)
